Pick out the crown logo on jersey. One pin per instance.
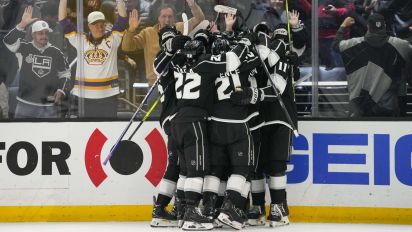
(96, 56)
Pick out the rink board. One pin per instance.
(340, 171)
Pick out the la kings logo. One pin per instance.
(41, 65)
(4, 3)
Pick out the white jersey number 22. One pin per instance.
(186, 90)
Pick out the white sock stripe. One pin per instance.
(277, 182)
(236, 183)
(211, 184)
(222, 188)
(246, 189)
(167, 187)
(258, 186)
(181, 182)
(194, 185)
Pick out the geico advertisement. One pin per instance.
(334, 163)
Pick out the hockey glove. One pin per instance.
(292, 58)
(178, 42)
(246, 96)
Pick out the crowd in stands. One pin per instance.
(139, 43)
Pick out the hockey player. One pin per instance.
(167, 187)
(231, 142)
(45, 74)
(194, 88)
(276, 135)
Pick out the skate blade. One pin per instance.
(256, 222)
(194, 226)
(217, 224)
(223, 218)
(283, 222)
(158, 222)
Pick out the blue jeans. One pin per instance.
(24, 110)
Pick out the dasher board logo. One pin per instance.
(41, 65)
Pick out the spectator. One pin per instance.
(275, 13)
(373, 64)
(4, 96)
(44, 73)
(98, 85)
(331, 14)
(148, 38)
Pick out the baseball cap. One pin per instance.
(39, 26)
(95, 16)
(376, 22)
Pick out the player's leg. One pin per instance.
(276, 169)
(197, 164)
(257, 212)
(241, 158)
(161, 217)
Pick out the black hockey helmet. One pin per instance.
(220, 45)
(193, 49)
(281, 32)
(261, 27)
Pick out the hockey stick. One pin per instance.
(145, 117)
(185, 24)
(278, 95)
(135, 113)
(225, 9)
(72, 63)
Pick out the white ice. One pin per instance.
(145, 227)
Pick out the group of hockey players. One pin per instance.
(227, 132)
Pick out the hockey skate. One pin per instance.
(210, 211)
(279, 214)
(256, 215)
(161, 217)
(194, 220)
(179, 210)
(231, 216)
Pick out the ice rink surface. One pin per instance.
(145, 227)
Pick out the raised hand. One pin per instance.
(26, 19)
(349, 21)
(230, 20)
(190, 3)
(134, 20)
(294, 18)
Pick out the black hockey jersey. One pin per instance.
(195, 83)
(270, 108)
(163, 69)
(42, 70)
(223, 109)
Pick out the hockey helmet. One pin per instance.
(219, 46)
(281, 31)
(193, 49)
(261, 27)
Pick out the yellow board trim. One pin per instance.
(143, 213)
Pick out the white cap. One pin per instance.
(95, 16)
(40, 26)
